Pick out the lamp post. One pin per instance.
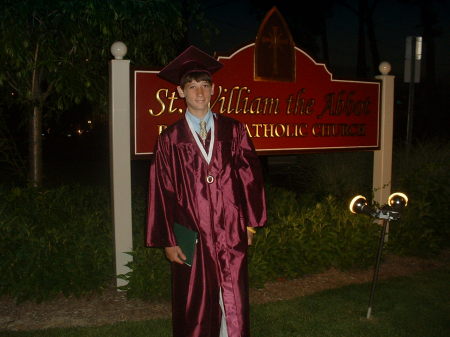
(391, 211)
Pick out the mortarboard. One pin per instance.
(191, 60)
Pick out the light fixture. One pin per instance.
(359, 205)
(391, 211)
(398, 201)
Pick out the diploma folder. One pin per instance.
(186, 240)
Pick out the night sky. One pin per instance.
(393, 23)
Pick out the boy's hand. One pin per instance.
(175, 254)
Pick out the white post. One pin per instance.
(382, 161)
(119, 105)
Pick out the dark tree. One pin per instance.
(364, 11)
(54, 53)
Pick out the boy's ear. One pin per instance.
(180, 92)
(212, 89)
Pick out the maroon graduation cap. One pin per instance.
(191, 60)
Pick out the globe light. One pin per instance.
(384, 68)
(357, 204)
(119, 50)
(397, 201)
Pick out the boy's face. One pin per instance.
(197, 95)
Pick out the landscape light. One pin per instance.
(391, 211)
(398, 201)
(359, 205)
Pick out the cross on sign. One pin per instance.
(275, 41)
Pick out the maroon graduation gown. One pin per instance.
(218, 211)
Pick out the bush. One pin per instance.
(54, 241)
(302, 240)
(424, 175)
(60, 240)
(299, 240)
(149, 277)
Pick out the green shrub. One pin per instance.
(424, 175)
(149, 277)
(54, 241)
(309, 232)
(302, 240)
(60, 240)
(298, 240)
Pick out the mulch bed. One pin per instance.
(111, 306)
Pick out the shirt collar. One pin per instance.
(196, 121)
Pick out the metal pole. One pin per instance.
(377, 266)
(409, 123)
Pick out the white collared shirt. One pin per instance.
(194, 126)
(196, 121)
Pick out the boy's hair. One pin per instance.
(195, 76)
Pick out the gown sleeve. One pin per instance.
(250, 174)
(161, 198)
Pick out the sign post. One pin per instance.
(120, 161)
(382, 160)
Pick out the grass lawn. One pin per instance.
(414, 306)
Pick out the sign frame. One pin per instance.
(279, 150)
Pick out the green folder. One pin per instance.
(186, 240)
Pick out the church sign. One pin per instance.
(287, 101)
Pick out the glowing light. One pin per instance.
(399, 194)
(352, 203)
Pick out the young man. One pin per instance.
(206, 177)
